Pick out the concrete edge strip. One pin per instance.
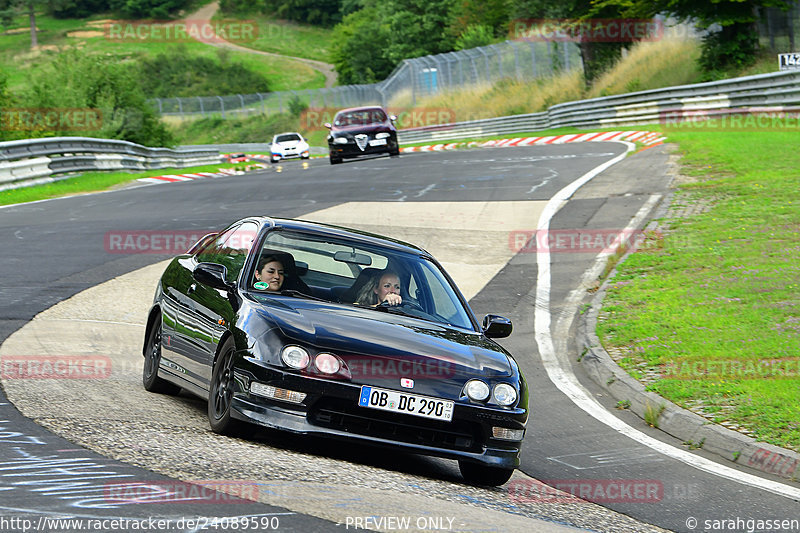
(689, 427)
(567, 382)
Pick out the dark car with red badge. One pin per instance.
(324, 353)
(360, 131)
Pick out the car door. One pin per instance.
(213, 310)
(182, 344)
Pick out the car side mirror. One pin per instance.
(212, 274)
(392, 117)
(496, 327)
(328, 125)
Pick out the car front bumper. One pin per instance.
(330, 408)
(352, 150)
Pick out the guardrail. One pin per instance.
(777, 89)
(28, 161)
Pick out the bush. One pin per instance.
(74, 81)
(474, 36)
(177, 73)
(153, 9)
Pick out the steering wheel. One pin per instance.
(405, 303)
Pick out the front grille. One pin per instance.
(341, 415)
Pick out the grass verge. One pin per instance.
(19, 62)
(92, 182)
(710, 309)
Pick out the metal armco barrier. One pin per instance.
(778, 89)
(30, 160)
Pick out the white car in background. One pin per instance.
(288, 145)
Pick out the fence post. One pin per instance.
(221, 106)
(202, 111)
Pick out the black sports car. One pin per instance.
(316, 329)
(362, 131)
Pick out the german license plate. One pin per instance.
(410, 404)
(378, 142)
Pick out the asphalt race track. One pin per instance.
(472, 209)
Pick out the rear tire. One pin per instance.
(482, 475)
(152, 360)
(220, 395)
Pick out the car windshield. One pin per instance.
(288, 138)
(346, 272)
(360, 118)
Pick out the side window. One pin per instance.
(230, 249)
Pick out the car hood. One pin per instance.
(362, 128)
(288, 144)
(379, 346)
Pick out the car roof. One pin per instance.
(363, 108)
(358, 236)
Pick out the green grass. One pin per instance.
(19, 62)
(722, 286)
(288, 38)
(92, 182)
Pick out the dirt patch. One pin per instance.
(15, 31)
(85, 34)
(100, 23)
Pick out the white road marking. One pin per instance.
(566, 381)
(426, 189)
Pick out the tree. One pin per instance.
(492, 14)
(597, 55)
(473, 36)
(319, 12)
(732, 33)
(63, 9)
(13, 8)
(354, 62)
(370, 42)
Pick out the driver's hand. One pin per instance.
(393, 299)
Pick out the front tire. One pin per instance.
(482, 475)
(335, 160)
(152, 360)
(220, 395)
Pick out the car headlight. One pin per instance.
(295, 357)
(504, 394)
(476, 390)
(340, 140)
(327, 363)
(382, 135)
